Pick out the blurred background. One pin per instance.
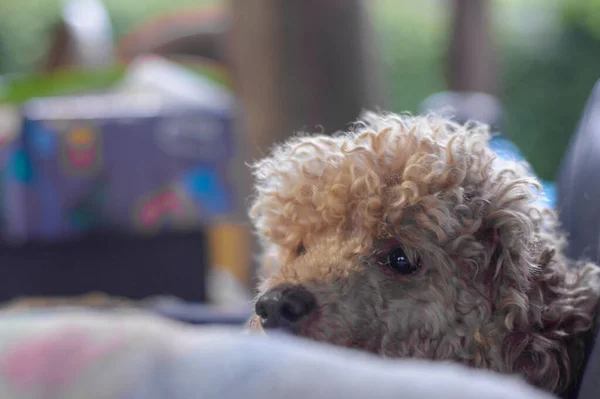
(125, 125)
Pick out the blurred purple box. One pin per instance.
(117, 162)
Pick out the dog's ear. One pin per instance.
(543, 302)
(547, 303)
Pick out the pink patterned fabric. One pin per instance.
(55, 359)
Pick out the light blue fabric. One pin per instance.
(129, 355)
(262, 368)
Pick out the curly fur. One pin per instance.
(495, 290)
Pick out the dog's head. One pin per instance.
(408, 238)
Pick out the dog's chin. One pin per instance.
(310, 331)
(341, 340)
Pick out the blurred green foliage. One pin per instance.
(584, 14)
(545, 96)
(69, 81)
(64, 82)
(412, 41)
(25, 25)
(548, 67)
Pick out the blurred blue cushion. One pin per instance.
(506, 149)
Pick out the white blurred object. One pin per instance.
(89, 26)
(152, 73)
(224, 290)
(464, 106)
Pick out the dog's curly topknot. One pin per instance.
(495, 290)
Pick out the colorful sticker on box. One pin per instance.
(166, 205)
(81, 151)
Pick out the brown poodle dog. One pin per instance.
(407, 237)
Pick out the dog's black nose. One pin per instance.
(285, 307)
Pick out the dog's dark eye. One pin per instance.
(397, 261)
(301, 250)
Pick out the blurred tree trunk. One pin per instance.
(300, 65)
(472, 65)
